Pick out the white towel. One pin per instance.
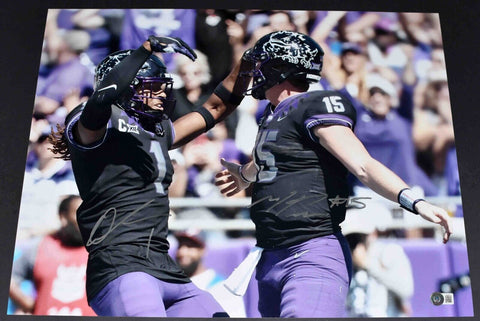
(239, 279)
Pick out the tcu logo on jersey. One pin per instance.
(127, 128)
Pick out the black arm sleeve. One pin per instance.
(97, 110)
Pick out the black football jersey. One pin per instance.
(123, 180)
(301, 190)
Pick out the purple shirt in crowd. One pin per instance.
(63, 78)
(389, 140)
(138, 24)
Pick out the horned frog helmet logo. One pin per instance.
(291, 47)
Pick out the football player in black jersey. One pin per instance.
(118, 143)
(304, 149)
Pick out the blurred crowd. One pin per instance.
(391, 65)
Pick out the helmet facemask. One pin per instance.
(145, 89)
(267, 74)
(258, 80)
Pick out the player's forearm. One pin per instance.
(222, 102)
(347, 148)
(380, 179)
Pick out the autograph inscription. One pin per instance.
(351, 202)
(112, 213)
(287, 202)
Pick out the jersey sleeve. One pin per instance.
(328, 108)
(71, 121)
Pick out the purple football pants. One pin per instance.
(142, 295)
(308, 280)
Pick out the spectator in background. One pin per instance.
(195, 79)
(303, 20)
(219, 34)
(382, 282)
(387, 135)
(349, 72)
(422, 28)
(138, 24)
(72, 99)
(98, 24)
(354, 70)
(277, 20)
(189, 256)
(385, 48)
(325, 28)
(46, 180)
(356, 26)
(332, 28)
(56, 266)
(202, 158)
(433, 126)
(61, 68)
(255, 18)
(422, 31)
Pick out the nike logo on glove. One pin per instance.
(298, 254)
(114, 86)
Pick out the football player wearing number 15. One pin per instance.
(304, 149)
(118, 143)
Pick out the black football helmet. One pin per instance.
(282, 55)
(151, 77)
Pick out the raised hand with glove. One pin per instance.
(171, 45)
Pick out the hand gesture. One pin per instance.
(171, 45)
(230, 176)
(436, 215)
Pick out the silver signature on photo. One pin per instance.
(112, 212)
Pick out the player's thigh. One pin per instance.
(132, 294)
(316, 280)
(268, 300)
(190, 301)
(309, 297)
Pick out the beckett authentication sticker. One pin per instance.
(439, 298)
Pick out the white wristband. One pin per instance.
(408, 198)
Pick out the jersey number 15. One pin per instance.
(333, 104)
